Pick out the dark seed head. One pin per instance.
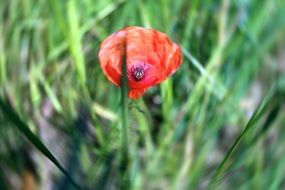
(138, 73)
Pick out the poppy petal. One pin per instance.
(150, 57)
(136, 93)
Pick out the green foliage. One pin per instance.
(202, 128)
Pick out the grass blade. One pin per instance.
(75, 42)
(14, 118)
(251, 123)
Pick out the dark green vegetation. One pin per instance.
(217, 123)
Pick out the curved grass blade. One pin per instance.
(259, 112)
(14, 118)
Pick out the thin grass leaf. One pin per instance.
(14, 118)
(259, 112)
(102, 14)
(54, 100)
(167, 99)
(3, 74)
(75, 41)
(278, 174)
(216, 87)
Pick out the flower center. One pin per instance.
(138, 73)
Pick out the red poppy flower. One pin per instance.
(151, 57)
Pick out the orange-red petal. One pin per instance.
(150, 55)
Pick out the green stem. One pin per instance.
(124, 106)
(124, 112)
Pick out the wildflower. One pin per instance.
(150, 57)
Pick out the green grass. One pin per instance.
(217, 123)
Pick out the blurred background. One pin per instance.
(217, 123)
